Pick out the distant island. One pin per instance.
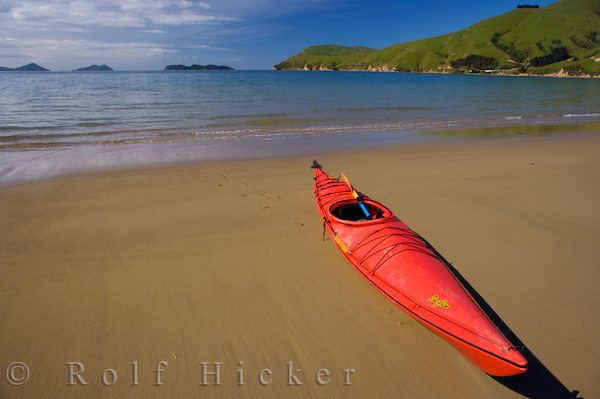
(562, 39)
(195, 67)
(95, 68)
(26, 68)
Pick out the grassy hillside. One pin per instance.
(562, 36)
(327, 57)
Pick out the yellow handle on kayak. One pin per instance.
(355, 195)
(345, 179)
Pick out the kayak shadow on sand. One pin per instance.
(537, 381)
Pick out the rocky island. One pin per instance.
(562, 39)
(32, 67)
(95, 68)
(195, 67)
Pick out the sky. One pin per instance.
(244, 34)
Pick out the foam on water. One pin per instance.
(588, 115)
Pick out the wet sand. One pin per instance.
(224, 262)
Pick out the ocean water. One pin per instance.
(57, 122)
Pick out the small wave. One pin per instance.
(280, 121)
(41, 145)
(59, 136)
(246, 116)
(371, 109)
(91, 124)
(51, 136)
(10, 128)
(38, 145)
(513, 117)
(590, 115)
(277, 129)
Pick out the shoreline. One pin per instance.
(558, 74)
(374, 69)
(40, 164)
(199, 262)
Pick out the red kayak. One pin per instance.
(409, 272)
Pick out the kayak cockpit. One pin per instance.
(350, 212)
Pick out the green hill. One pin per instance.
(327, 57)
(563, 37)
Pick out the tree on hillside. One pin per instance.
(556, 55)
(476, 62)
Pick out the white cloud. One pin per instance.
(74, 30)
(107, 13)
(206, 47)
(78, 49)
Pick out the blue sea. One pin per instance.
(56, 122)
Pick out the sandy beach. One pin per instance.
(163, 268)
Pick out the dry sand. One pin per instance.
(225, 263)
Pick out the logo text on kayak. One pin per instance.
(440, 303)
